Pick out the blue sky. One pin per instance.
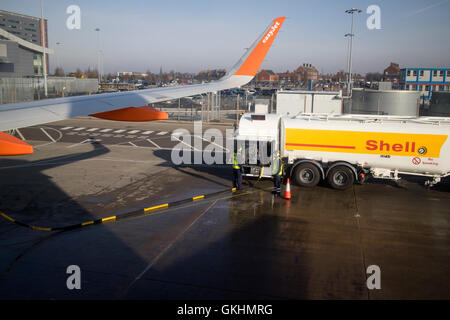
(189, 36)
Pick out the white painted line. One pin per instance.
(133, 131)
(146, 132)
(78, 129)
(87, 140)
(119, 131)
(213, 143)
(154, 144)
(46, 133)
(132, 144)
(195, 149)
(125, 145)
(176, 134)
(92, 129)
(20, 134)
(105, 130)
(66, 128)
(161, 133)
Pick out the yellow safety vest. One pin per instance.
(235, 162)
(278, 167)
(281, 168)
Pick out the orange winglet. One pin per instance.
(255, 59)
(138, 114)
(12, 146)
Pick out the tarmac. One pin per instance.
(232, 245)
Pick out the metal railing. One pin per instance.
(14, 90)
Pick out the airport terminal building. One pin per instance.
(21, 45)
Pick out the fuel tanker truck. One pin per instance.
(344, 149)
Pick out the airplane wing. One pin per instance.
(125, 105)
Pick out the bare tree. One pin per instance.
(373, 76)
(91, 73)
(78, 73)
(59, 72)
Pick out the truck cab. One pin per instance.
(257, 141)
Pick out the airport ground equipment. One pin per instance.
(292, 102)
(343, 149)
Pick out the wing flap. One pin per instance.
(144, 113)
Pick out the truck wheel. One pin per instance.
(341, 177)
(307, 175)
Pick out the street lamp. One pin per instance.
(57, 54)
(44, 53)
(351, 35)
(98, 56)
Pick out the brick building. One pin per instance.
(392, 73)
(307, 72)
(264, 75)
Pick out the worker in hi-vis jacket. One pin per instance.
(277, 173)
(237, 174)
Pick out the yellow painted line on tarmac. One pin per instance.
(7, 217)
(153, 209)
(156, 207)
(109, 218)
(192, 204)
(41, 228)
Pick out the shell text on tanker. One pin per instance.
(396, 147)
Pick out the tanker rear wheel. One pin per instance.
(341, 177)
(307, 175)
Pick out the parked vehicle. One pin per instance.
(343, 149)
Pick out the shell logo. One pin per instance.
(422, 150)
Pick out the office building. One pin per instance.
(21, 45)
(425, 80)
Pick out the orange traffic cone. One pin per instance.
(287, 192)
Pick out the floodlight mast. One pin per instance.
(351, 35)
